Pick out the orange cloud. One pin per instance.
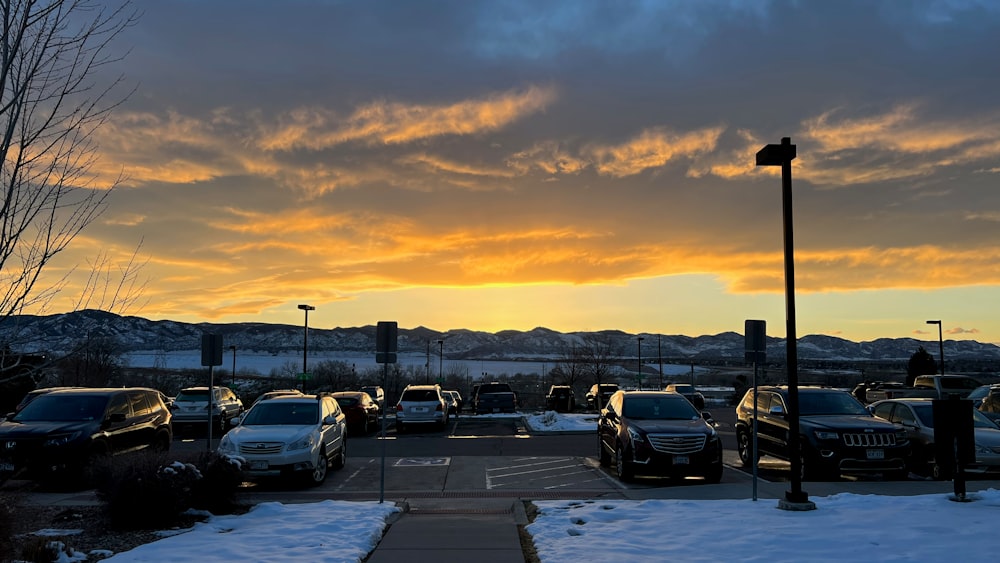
(652, 148)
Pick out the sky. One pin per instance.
(577, 165)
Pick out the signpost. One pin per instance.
(755, 351)
(386, 334)
(211, 356)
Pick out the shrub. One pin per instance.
(143, 491)
(221, 477)
(9, 505)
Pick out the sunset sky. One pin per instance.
(576, 165)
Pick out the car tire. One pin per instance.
(341, 460)
(604, 456)
(317, 476)
(161, 442)
(744, 447)
(623, 468)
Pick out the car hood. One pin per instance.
(690, 426)
(270, 433)
(845, 421)
(39, 429)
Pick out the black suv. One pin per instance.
(62, 431)
(607, 389)
(560, 399)
(658, 433)
(838, 435)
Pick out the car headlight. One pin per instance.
(824, 435)
(636, 437)
(226, 445)
(306, 441)
(60, 439)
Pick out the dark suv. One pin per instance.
(560, 399)
(62, 431)
(607, 389)
(659, 433)
(837, 434)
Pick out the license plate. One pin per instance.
(258, 465)
(681, 460)
(419, 409)
(6, 466)
(875, 454)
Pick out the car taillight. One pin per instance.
(439, 407)
(399, 408)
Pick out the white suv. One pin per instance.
(290, 436)
(190, 408)
(421, 404)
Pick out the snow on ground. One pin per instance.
(551, 421)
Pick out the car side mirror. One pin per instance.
(777, 410)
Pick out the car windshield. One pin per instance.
(192, 395)
(64, 408)
(420, 395)
(347, 401)
(659, 408)
(278, 412)
(926, 415)
(979, 392)
(811, 404)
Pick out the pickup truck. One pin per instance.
(927, 386)
(494, 397)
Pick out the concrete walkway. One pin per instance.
(475, 529)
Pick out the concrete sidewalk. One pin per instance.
(483, 530)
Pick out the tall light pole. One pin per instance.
(659, 357)
(782, 155)
(940, 342)
(233, 348)
(638, 341)
(441, 360)
(305, 344)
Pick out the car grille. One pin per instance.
(677, 443)
(868, 440)
(261, 448)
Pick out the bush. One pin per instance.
(9, 505)
(143, 491)
(215, 491)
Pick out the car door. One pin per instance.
(118, 423)
(333, 433)
(610, 423)
(142, 427)
(772, 427)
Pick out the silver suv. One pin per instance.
(421, 404)
(190, 408)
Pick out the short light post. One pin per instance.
(940, 342)
(638, 341)
(782, 155)
(305, 344)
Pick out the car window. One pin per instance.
(420, 395)
(140, 403)
(283, 413)
(192, 395)
(347, 401)
(659, 408)
(903, 415)
(883, 410)
(120, 405)
(835, 403)
(66, 408)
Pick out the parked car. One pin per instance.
(376, 393)
(494, 397)
(449, 397)
(658, 433)
(560, 398)
(607, 389)
(837, 434)
(990, 406)
(458, 400)
(61, 432)
(978, 394)
(360, 410)
(293, 437)
(930, 386)
(689, 392)
(421, 405)
(190, 408)
(916, 417)
(34, 394)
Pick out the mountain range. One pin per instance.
(54, 334)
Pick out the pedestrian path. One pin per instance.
(454, 529)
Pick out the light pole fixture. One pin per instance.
(441, 360)
(782, 155)
(233, 348)
(638, 341)
(940, 342)
(305, 344)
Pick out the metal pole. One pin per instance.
(381, 485)
(211, 406)
(941, 345)
(441, 360)
(638, 341)
(659, 357)
(233, 348)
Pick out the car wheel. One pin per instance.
(341, 459)
(317, 476)
(605, 456)
(161, 442)
(937, 472)
(622, 467)
(222, 426)
(744, 447)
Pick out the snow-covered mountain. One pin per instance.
(62, 332)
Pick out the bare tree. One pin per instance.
(599, 358)
(51, 104)
(52, 101)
